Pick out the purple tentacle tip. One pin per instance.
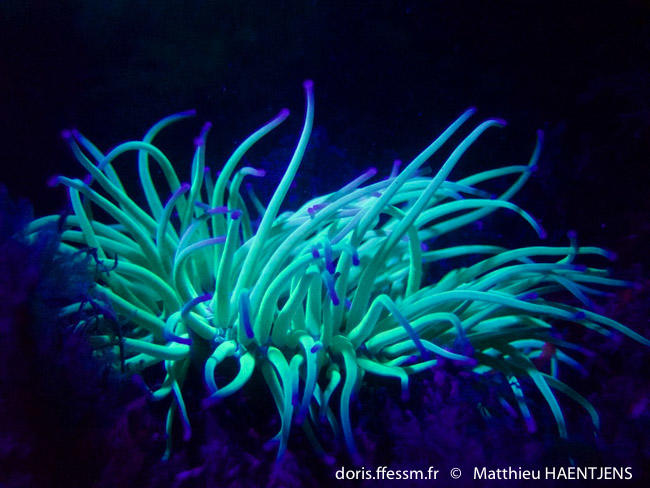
(405, 395)
(580, 315)
(572, 234)
(531, 425)
(138, 381)
(209, 402)
(53, 181)
(235, 214)
(283, 114)
(200, 140)
(501, 122)
(529, 296)
(180, 340)
(308, 85)
(66, 134)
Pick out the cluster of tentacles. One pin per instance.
(317, 298)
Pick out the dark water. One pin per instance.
(389, 76)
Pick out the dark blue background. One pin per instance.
(389, 76)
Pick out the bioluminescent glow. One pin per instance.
(317, 298)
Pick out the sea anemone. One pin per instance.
(342, 287)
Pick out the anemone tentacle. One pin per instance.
(341, 287)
